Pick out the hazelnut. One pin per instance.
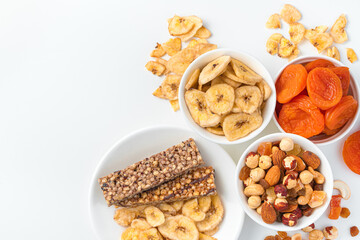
(297, 212)
(280, 191)
(286, 144)
(289, 219)
(254, 202)
(330, 232)
(252, 160)
(316, 235)
(281, 204)
(258, 210)
(290, 181)
(257, 174)
(306, 177)
(248, 181)
(265, 162)
(296, 237)
(289, 163)
(309, 228)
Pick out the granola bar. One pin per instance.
(150, 172)
(196, 183)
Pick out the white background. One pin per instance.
(72, 82)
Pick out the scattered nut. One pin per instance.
(306, 177)
(330, 233)
(309, 228)
(257, 174)
(343, 189)
(296, 237)
(254, 202)
(265, 162)
(252, 160)
(286, 144)
(345, 212)
(316, 235)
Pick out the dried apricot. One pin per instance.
(264, 148)
(344, 75)
(302, 117)
(329, 132)
(291, 82)
(318, 63)
(324, 88)
(345, 212)
(335, 207)
(338, 116)
(351, 152)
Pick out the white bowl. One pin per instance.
(324, 168)
(145, 142)
(254, 64)
(323, 139)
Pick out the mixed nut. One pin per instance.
(282, 182)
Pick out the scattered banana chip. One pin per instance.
(351, 55)
(272, 44)
(193, 42)
(150, 234)
(155, 67)
(294, 54)
(192, 81)
(296, 32)
(220, 98)
(311, 33)
(140, 224)
(264, 89)
(178, 228)
(232, 83)
(154, 216)
(273, 21)
(191, 209)
(200, 112)
(172, 46)
(180, 25)
(214, 215)
(337, 31)
(158, 93)
(286, 48)
(163, 62)
(214, 69)
(175, 105)
(216, 130)
(170, 86)
(205, 237)
(202, 48)
(322, 41)
(203, 33)
(243, 72)
(248, 98)
(158, 51)
(239, 125)
(131, 234)
(333, 52)
(290, 14)
(180, 61)
(197, 25)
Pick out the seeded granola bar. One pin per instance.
(196, 183)
(150, 172)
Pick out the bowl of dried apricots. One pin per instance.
(317, 98)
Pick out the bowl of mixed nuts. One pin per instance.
(284, 182)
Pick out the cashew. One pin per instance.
(318, 177)
(343, 189)
(303, 200)
(254, 190)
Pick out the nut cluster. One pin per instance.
(284, 177)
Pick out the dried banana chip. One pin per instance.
(202, 48)
(213, 69)
(351, 55)
(191, 210)
(212, 231)
(216, 130)
(220, 98)
(193, 42)
(203, 33)
(197, 25)
(180, 25)
(311, 33)
(333, 52)
(205, 237)
(124, 216)
(130, 234)
(238, 125)
(177, 205)
(272, 44)
(337, 31)
(179, 227)
(163, 62)
(217, 80)
(229, 73)
(158, 51)
(273, 21)
(322, 41)
(231, 82)
(170, 86)
(192, 81)
(286, 48)
(150, 234)
(248, 98)
(243, 72)
(264, 89)
(172, 46)
(296, 32)
(167, 209)
(158, 93)
(290, 14)
(175, 105)
(154, 216)
(204, 203)
(155, 67)
(294, 54)
(214, 216)
(140, 224)
(180, 61)
(205, 87)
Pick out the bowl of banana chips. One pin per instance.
(227, 96)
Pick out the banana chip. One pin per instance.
(191, 209)
(205, 87)
(158, 93)
(155, 67)
(180, 61)
(229, 73)
(296, 32)
(212, 231)
(248, 98)
(213, 69)
(337, 31)
(202, 48)
(351, 55)
(333, 52)
(273, 21)
(205, 202)
(180, 25)
(193, 42)
(272, 44)
(154, 216)
(205, 237)
(177, 205)
(286, 48)
(311, 33)
(192, 81)
(244, 73)
(322, 41)
(158, 51)
(172, 46)
(175, 105)
(124, 216)
(220, 98)
(131, 234)
(238, 125)
(163, 62)
(216, 130)
(290, 14)
(203, 33)
(197, 25)
(214, 216)
(217, 80)
(231, 82)
(150, 234)
(170, 86)
(264, 89)
(167, 209)
(179, 228)
(294, 54)
(140, 224)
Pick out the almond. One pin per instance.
(273, 175)
(300, 164)
(311, 159)
(268, 213)
(277, 157)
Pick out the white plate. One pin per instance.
(146, 142)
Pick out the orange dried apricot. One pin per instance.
(329, 132)
(318, 63)
(338, 116)
(291, 82)
(335, 207)
(264, 148)
(324, 88)
(351, 152)
(344, 75)
(301, 117)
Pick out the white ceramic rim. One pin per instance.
(328, 186)
(354, 87)
(245, 57)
